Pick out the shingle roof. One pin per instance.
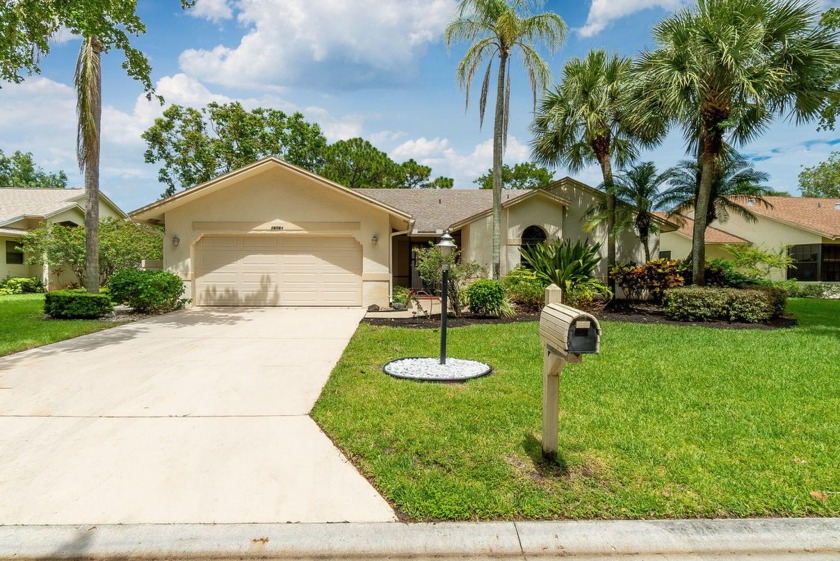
(16, 202)
(818, 215)
(438, 209)
(713, 235)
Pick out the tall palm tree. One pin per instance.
(584, 119)
(734, 176)
(496, 28)
(88, 82)
(639, 192)
(724, 69)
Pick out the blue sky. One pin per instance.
(370, 68)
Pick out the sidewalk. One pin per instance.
(813, 539)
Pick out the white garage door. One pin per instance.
(278, 271)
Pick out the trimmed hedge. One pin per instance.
(695, 303)
(76, 304)
(146, 291)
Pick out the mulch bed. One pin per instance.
(432, 322)
(618, 310)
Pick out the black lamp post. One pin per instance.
(446, 246)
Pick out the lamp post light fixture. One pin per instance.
(446, 246)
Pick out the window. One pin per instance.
(14, 256)
(830, 263)
(533, 235)
(806, 262)
(664, 254)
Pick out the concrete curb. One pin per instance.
(591, 540)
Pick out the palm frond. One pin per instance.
(88, 82)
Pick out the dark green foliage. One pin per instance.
(651, 279)
(430, 269)
(146, 291)
(20, 170)
(400, 295)
(724, 304)
(76, 304)
(22, 285)
(569, 266)
(526, 175)
(486, 297)
(524, 289)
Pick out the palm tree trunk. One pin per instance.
(498, 152)
(606, 171)
(89, 90)
(712, 144)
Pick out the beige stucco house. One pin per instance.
(22, 210)
(808, 227)
(272, 234)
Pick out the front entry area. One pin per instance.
(278, 270)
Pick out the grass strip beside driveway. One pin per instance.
(668, 422)
(23, 326)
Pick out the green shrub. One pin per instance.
(652, 279)
(430, 268)
(146, 291)
(76, 304)
(400, 295)
(486, 297)
(694, 303)
(570, 267)
(524, 289)
(23, 285)
(810, 290)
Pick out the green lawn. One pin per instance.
(668, 421)
(22, 324)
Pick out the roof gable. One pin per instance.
(18, 204)
(820, 216)
(156, 210)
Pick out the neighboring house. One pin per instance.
(22, 210)
(273, 234)
(677, 244)
(808, 227)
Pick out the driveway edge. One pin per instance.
(758, 538)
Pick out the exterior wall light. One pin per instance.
(176, 241)
(375, 239)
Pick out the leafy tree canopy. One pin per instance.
(27, 26)
(20, 170)
(831, 20)
(822, 180)
(196, 145)
(356, 163)
(527, 175)
(122, 245)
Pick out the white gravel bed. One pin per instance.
(430, 369)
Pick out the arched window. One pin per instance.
(533, 235)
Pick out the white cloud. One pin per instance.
(323, 43)
(213, 10)
(444, 159)
(604, 12)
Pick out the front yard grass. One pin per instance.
(668, 422)
(22, 324)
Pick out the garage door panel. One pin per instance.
(278, 271)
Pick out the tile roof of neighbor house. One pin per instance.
(817, 215)
(17, 202)
(437, 209)
(713, 235)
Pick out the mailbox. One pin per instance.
(568, 331)
(566, 334)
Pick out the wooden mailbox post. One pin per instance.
(566, 334)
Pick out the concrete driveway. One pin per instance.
(193, 417)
